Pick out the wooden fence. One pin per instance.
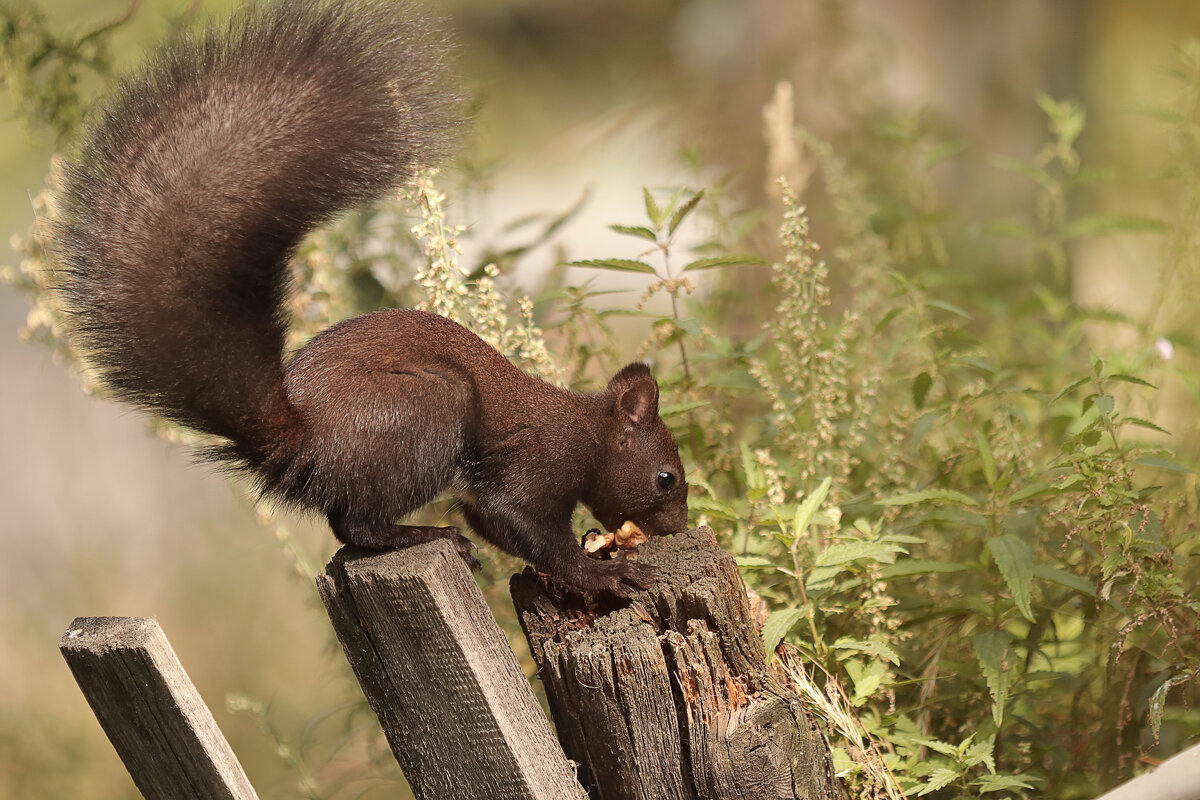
(664, 697)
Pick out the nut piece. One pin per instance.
(623, 541)
(596, 542)
(629, 536)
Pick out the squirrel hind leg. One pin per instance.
(371, 536)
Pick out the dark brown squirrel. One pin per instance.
(192, 189)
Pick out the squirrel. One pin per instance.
(192, 188)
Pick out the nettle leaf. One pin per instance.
(874, 646)
(920, 389)
(846, 552)
(915, 566)
(723, 261)
(777, 626)
(1068, 389)
(944, 306)
(1163, 463)
(1063, 578)
(981, 753)
(1015, 559)
(1034, 490)
(1143, 423)
(1130, 379)
(806, 510)
(672, 409)
(618, 264)
(1001, 783)
(939, 778)
(685, 209)
(932, 496)
(938, 746)
(991, 649)
(985, 455)
(652, 209)
(866, 677)
(640, 231)
(1097, 225)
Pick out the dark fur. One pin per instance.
(193, 188)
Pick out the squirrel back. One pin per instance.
(204, 171)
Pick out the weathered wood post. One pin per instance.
(151, 712)
(456, 708)
(670, 697)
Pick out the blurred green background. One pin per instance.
(101, 517)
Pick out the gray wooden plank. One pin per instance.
(455, 706)
(162, 730)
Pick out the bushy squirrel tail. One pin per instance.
(198, 179)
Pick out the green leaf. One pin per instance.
(1099, 225)
(1002, 783)
(944, 306)
(915, 566)
(920, 389)
(1143, 423)
(985, 455)
(866, 677)
(1163, 463)
(685, 209)
(938, 746)
(1105, 403)
(939, 778)
(1034, 490)
(991, 647)
(874, 646)
(652, 210)
(1130, 379)
(750, 562)
(618, 264)
(723, 261)
(1015, 559)
(640, 231)
(1053, 574)
(673, 409)
(777, 626)
(713, 507)
(932, 496)
(804, 513)
(1072, 387)
(846, 552)
(981, 753)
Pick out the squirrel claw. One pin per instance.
(621, 578)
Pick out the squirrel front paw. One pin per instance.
(617, 577)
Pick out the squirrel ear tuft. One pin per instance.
(637, 370)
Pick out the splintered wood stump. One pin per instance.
(670, 697)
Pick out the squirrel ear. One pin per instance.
(628, 374)
(639, 402)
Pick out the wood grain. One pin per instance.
(162, 730)
(458, 712)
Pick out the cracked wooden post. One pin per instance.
(150, 711)
(670, 697)
(458, 712)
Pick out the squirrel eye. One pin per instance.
(665, 481)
